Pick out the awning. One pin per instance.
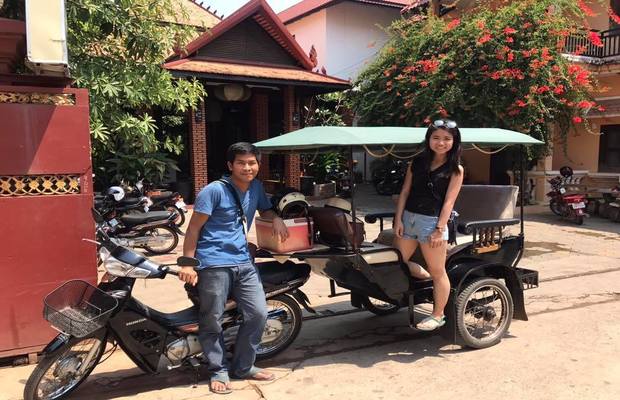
(323, 138)
(227, 71)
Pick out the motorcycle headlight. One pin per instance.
(118, 268)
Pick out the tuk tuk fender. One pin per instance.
(463, 273)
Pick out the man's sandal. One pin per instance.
(226, 390)
(431, 323)
(262, 375)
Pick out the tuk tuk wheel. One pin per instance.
(483, 312)
(378, 307)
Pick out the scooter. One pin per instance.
(393, 179)
(568, 206)
(163, 200)
(90, 317)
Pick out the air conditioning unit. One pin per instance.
(46, 37)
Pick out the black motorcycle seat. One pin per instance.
(274, 273)
(162, 196)
(142, 218)
(130, 201)
(179, 318)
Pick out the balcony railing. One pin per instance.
(579, 45)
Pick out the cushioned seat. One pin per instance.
(143, 218)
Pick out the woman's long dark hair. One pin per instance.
(454, 155)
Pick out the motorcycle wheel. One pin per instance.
(555, 207)
(579, 219)
(169, 245)
(283, 325)
(379, 307)
(60, 373)
(382, 188)
(181, 218)
(483, 312)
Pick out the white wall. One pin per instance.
(355, 36)
(312, 30)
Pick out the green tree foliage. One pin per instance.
(116, 50)
(501, 67)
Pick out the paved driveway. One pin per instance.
(569, 349)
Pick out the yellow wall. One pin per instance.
(477, 166)
(581, 151)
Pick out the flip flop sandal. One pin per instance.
(431, 323)
(270, 377)
(226, 389)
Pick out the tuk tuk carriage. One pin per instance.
(487, 284)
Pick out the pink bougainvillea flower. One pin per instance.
(510, 39)
(480, 24)
(595, 39)
(527, 25)
(424, 83)
(509, 31)
(543, 89)
(577, 120)
(484, 38)
(585, 104)
(453, 24)
(496, 75)
(521, 103)
(613, 16)
(559, 89)
(585, 9)
(601, 108)
(510, 57)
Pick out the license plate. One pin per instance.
(180, 204)
(113, 222)
(562, 190)
(578, 205)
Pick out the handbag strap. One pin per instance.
(244, 220)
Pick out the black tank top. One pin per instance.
(428, 188)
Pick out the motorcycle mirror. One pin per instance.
(188, 262)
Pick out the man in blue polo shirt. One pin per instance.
(216, 237)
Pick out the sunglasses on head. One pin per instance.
(440, 123)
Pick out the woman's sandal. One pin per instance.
(431, 323)
(226, 390)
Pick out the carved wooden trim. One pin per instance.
(36, 185)
(53, 99)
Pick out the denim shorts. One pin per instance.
(420, 227)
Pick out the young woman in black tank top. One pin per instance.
(425, 203)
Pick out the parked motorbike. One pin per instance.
(91, 317)
(154, 231)
(341, 180)
(393, 179)
(163, 200)
(568, 206)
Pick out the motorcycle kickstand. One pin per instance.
(196, 367)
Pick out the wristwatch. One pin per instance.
(440, 228)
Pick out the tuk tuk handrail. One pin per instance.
(468, 228)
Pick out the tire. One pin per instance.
(380, 188)
(67, 357)
(378, 307)
(579, 219)
(270, 345)
(482, 312)
(181, 218)
(555, 207)
(614, 213)
(164, 249)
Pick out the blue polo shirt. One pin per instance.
(221, 241)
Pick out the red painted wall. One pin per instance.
(41, 236)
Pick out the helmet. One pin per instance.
(566, 171)
(117, 192)
(292, 205)
(337, 202)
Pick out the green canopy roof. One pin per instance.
(323, 138)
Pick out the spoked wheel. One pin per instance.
(283, 324)
(61, 372)
(555, 207)
(166, 240)
(483, 312)
(379, 307)
(181, 215)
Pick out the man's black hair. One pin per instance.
(241, 148)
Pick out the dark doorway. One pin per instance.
(227, 123)
(276, 128)
(609, 149)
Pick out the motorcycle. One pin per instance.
(568, 206)
(154, 231)
(341, 180)
(90, 317)
(163, 200)
(393, 179)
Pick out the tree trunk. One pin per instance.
(435, 7)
